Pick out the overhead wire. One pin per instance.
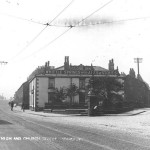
(93, 24)
(28, 44)
(70, 27)
(85, 17)
(21, 18)
(115, 21)
(46, 45)
(47, 24)
(61, 12)
(101, 22)
(95, 12)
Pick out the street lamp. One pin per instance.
(91, 95)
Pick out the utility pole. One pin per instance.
(92, 101)
(138, 60)
(3, 62)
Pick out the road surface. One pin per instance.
(21, 131)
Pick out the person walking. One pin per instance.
(11, 105)
(23, 107)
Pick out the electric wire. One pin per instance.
(85, 17)
(46, 45)
(70, 27)
(101, 23)
(63, 26)
(61, 12)
(94, 12)
(47, 24)
(28, 44)
(20, 18)
(115, 21)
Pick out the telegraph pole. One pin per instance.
(138, 60)
(3, 62)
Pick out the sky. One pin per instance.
(33, 32)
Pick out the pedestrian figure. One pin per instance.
(23, 106)
(11, 105)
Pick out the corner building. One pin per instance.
(45, 79)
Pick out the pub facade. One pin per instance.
(44, 81)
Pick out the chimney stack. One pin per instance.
(66, 63)
(111, 65)
(48, 63)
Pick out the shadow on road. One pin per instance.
(3, 122)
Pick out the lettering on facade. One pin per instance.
(82, 72)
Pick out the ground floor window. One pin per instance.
(51, 97)
(51, 83)
(82, 98)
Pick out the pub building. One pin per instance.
(45, 79)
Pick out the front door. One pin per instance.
(82, 98)
(50, 97)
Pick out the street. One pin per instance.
(20, 130)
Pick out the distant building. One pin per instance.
(22, 95)
(44, 81)
(2, 97)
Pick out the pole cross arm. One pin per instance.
(138, 60)
(3, 62)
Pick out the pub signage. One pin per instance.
(82, 72)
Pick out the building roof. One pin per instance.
(60, 68)
(96, 68)
(74, 70)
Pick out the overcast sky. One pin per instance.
(118, 29)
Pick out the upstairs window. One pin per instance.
(51, 83)
(82, 83)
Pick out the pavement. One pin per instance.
(62, 111)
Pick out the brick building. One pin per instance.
(22, 95)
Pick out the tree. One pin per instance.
(59, 95)
(72, 91)
(107, 89)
